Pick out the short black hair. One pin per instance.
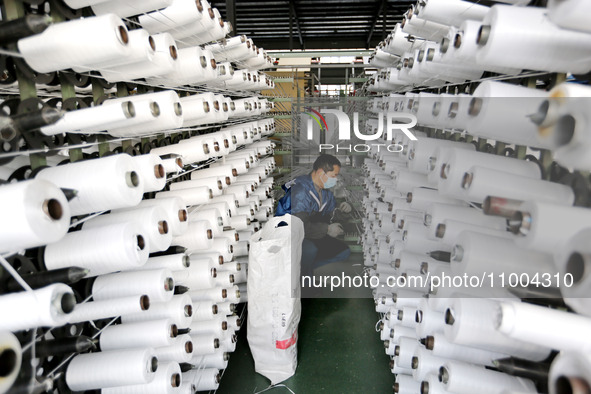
(326, 162)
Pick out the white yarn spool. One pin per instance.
(241, 164)
(428, 320)
(38, 214)
(415, 239)
(432, 385)
(226, 171)
(167, 380)
(428, 30)
(152, 222)
(221, 246)
(218, 360)
(166, 110)
(481, 182)
(450, 230)
(406, 297)
(173, 165)
(477, 253)
(96, 310)
(226, 308)
(80, 43)
(570, 14)
(176, 211)
(399, 42)
(204, 260)
(406, 316)
(204, 344)
(564, 50)
(220, 115)
(421, 198)
(225, 279)
(405, 384)
(173, 262)
(193, 68)
(196, 110)
(198, 237)
(451, 12)
(441, 347)
(153, 334)
(573, 259)
(405, 350)
(439, 213)
(547, 227)
(203, 379)
(179, 310)
(100, 370)
(214, 326)
(102, 250)
(405, 181)
(570, 135)
(229, 199)
(233, 292)
(187, 388)
(11, 351)
(228, 343)
(424, 363)
(453, 169)
(397, 370)
(188, 33)
(521, 321)
(501, 111)
(46, 307)
(140, 48)
(463, 378)
(164, 60)
(216, 184)
(115, 183)
(193, 196)
(151, 171)
(465, 48)
(157, 284)
(402, 332)
(222, 207)
(569, 372)
(129, 7)
(408, 260)
(217, 258)
(180, 12)
(225, 72)
(443, 68)
(192, 151)
(142, 52)
(473, 324)
(231, 235)
(420, 151)
(197, 276)
(94, 120)
(214, 294)
(234, 322)
(403, 218)
(180, 351)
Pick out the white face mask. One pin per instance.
(330, 182)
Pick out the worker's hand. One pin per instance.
(345, 207)
(335, 229)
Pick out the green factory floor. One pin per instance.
(339, 350)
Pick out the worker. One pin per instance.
(315, 205)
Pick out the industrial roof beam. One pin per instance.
(231, 14)
(297, 21)
(376, 18)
